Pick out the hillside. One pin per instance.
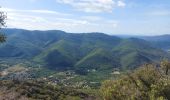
(81, 52)
(39, 90)
(161, 41)
(148, 82)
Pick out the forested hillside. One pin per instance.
(81, 52)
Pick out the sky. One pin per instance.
(117, 17)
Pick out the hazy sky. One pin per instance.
(134, 17)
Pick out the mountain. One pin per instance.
(26, 44)
(161, 41)
(80, 52)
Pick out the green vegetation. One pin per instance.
(39, 90)
(2, 24)
(58, 65)
(146, 83)
(55, 65)
(165, 64)
(149, 82)
(58, 50)
(162, 41)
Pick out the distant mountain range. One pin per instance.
(160, 41)
(82, 52)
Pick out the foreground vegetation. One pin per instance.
(39, 90)
(146, 83)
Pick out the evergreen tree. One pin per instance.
(2, 24)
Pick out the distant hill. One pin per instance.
(160, 41)
(81, 52)
(26, 44)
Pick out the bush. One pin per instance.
(146, 83)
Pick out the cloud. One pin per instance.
(94, 6)
(42, 11)
(121, 4)
(52, 20)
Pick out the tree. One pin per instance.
(2, 24)
(145, 83)
(165, 65)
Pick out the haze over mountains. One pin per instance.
(82, 52)
(162, 41)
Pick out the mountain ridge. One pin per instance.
(60, 50)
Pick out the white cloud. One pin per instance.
(42, 11)
(94, 6)
(41, 20)
(121, 4)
